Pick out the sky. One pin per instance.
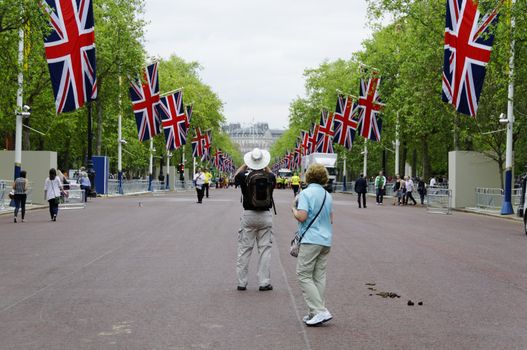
(254, 53)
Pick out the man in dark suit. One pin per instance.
(361, 187)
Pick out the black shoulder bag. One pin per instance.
(295, 243)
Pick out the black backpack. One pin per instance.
(260, 190)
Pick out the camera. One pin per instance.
(123, 141)
(26, 111)
(503, 119)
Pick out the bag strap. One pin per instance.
(316, 216)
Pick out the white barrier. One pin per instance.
(74, 199)
(439, 201)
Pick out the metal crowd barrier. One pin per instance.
(489, 198)
(128, 186)
(182, 186)
(492, 198)
(74, 199)
(158, 188)
(440, 201)
(6, 187)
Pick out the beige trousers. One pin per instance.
(255, 226)
(311, 272)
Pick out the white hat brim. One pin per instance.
(260, 164)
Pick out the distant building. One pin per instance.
(252, 136)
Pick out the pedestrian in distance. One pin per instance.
(199, 182)
(20, 187)
(314, 214)
(361, 188)
(409, 185)
(295, 184)
(397, 190)
(257, 183)
(421, 189)
(380, 185)
(52, 192)
(206, 185)
(85, 184)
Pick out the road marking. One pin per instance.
(290, 291)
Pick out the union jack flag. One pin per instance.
(306, 143)
(207, 140)
(468, 45)
(345, 121)
(70, 53)
(325, 133)
(198, 143)
(145, 97)
(189, 116)
(297, 156)
(313, 138)
(370, 124)
(174, 120)
(218, 159)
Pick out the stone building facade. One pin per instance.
(252, 136)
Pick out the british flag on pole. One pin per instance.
(174, 120)
(145, 97)
(468, 45)
(370, 105)
(197, 143)
(70, 53)
(345, 121)
(325, 133)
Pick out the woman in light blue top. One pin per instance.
(314, 213)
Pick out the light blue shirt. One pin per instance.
(321, 231)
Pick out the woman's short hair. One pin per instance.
(318, 174)
(23, 173)
(52, 173)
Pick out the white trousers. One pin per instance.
(255, 226)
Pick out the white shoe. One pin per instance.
(319, 318)
(306, 318)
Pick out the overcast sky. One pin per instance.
(254, 53)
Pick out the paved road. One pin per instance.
(162, 276)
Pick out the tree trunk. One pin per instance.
(427, 168)
(403, 158)
(98, 141)
(414, 163)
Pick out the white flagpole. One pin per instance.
(397, 144)
(193, 167)
(507, 194)
(167, 182)
(120, 143)
(19, 105)
(365, 164)
(151, 165)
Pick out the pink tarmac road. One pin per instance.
(161, 275)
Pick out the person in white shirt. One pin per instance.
(432, 181)
(52, 191)
(199, 181)
(409, 188)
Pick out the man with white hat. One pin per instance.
(257, 183)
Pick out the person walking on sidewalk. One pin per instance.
(421, 189)
(409, 184)
(315, 218)
(206, 185)
(257, 183)
(52, 191)
(380, 185)
(20, 187)
(361, 187)
(295, 184)
(199, 182)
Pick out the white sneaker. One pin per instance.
(319, 318)
(306, 318)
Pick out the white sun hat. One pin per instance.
(257, 159)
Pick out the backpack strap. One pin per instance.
(316, 216)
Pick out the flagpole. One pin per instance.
(344, 174)
(19, 105)
(397, 145)
(365, 164)
(193, 166)
(182, 177)
(151, 165)
(120, 143)
(167, 183)
(507, 194)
